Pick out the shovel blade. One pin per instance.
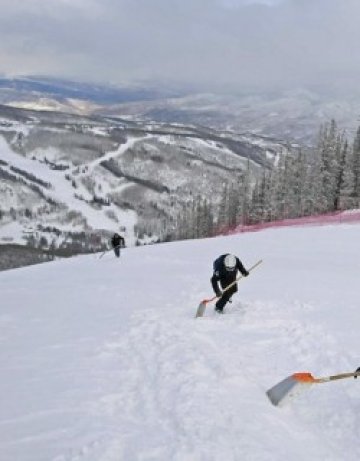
(201, 309)
(289, 388)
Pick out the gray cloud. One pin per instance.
(222, 42)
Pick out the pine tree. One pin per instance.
(312, 186)
(279, 189)
(223, 214)
(245, 195)
(340, 184)
(300, 172)
(234, 204)
(258, 210)
(356, 170)
(332, 165)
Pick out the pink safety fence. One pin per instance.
(337, 217)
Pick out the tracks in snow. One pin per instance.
(171, 375)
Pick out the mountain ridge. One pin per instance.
(288, 114)
(99, 174)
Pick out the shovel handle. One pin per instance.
(335, 377)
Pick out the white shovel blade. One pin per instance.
(201, 309)
(289, 387)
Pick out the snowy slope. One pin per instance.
(62, 174)
(61, 190)
(102, 360)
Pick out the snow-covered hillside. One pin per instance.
(292, 114)
(295, 114)
(62, 173)
(102, 359)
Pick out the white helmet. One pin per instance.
(230, 262)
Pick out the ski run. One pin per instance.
(103, 360)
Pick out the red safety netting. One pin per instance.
(338, 217)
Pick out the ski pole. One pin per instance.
(110, 249)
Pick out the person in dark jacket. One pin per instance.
(117, 242)
(226, 268)
(357, 371)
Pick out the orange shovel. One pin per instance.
(293, 385)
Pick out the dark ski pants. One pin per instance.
(117, 252)
(219, 306)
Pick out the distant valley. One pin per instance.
(80, 161)
(74, 179)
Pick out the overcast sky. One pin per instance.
(223, 42)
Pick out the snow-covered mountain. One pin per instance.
(288, 114)
(293, 115)
(93, 159)
(31, 90)
(98, 364)
(64, 174)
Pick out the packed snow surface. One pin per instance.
(102, 359)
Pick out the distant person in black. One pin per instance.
(225, 271)
(357, 371)
(117, 242)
